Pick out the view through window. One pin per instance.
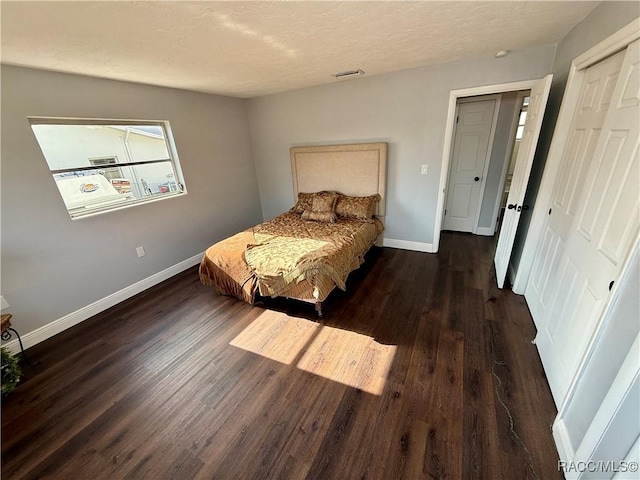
(103, 165)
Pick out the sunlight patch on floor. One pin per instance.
(349, 358)
(343, 356)
(276, 336)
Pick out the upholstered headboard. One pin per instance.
(358, 169)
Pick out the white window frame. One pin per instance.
(171, 149)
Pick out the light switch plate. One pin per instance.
(140, 252)
(424, 170)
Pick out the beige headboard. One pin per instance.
(355, 169)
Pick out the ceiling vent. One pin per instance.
(348, 74)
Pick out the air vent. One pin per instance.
(348, 74)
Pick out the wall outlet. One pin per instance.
(140, 252)
(424, 170)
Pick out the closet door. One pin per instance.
(600, 421)
(591, 109)
(596, 206)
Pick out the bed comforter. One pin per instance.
(277, 257)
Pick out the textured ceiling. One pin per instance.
(247, 49)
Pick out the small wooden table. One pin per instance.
(7, 331)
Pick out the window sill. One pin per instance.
(92, 212)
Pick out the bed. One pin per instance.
(308, 251)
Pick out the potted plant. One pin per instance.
(10, 372)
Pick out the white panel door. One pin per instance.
(522, 169)
(605, 226)
(471, 149)
(615, 428)
(593, 104)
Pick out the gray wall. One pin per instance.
(407, 109)
(51, 265)
(602, 22)
(498, 158)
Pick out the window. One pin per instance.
(110, 173)
(522, 119)
(103, 165)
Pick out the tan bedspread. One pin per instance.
(281, 256)
(289, 250)
(223, 267)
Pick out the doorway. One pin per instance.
(474, 138)
(487, 136)
(539, 93)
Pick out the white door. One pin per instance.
(613, 433)
(522, 169)
(588, 119)
(604, 223)
(601, 419)
(471, 151)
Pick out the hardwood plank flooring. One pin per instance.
(422, 369)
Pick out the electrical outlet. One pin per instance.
(424, 170)
(140, 252)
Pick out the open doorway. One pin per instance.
(486, 141)
(538, 96)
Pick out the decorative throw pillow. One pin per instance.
(326, 217)
(304, 202)
(322, 208)
(361, 208)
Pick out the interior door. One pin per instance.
(471, 150)
(601, 419)
(537, 104)
(603, 229)
(587, 122)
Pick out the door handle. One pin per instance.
(511, 206)
(476, 179)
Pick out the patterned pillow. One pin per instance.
(361, 208)
(322, 208)
(326, 217)
(305, 200)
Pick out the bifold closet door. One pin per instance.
(593, 217)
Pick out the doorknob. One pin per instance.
(511, 206)
(476, 179)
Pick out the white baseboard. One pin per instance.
(407, 245)
(485, 231)
(49, 330)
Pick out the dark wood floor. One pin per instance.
(421, 370)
